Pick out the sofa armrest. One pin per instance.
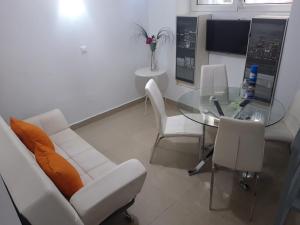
(51, 122)
(102, 197)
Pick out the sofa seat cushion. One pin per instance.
(89, 162)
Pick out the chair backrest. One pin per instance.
(158, 104)
(292, 118)
(214, 80)
(240, 145)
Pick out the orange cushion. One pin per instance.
(59, 170)
(30, 134)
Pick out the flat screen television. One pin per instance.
(228, 36)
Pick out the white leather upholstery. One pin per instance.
(94, 201)
(89, 162)
(181, 126)
(279, 132)
(158, 105)
(37, 197)
(214, 80)
(292, 118)
(286, 129)
(170, 126)
(51, 122)
(34, 194)
(239, 145)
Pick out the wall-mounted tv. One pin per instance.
(228, 36)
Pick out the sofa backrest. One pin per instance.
(51, 122)
(34, 194)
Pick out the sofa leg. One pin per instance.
(128, 216)
(123, 211)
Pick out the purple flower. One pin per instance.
(149, 40)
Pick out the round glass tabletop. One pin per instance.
(199, 107)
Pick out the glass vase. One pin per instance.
(153, 66)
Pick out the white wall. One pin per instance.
(163, 13)
(41, 66)
(289, 79)
(183, 6)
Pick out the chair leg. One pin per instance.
(158, 138)
(203, 142)
(290, 149)
(145, 103)
(254, 197)
(282, 215)
(200, 155)
(243, 181)
(212, 180)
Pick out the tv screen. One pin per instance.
(229, 36)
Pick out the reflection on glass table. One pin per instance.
(201, 108)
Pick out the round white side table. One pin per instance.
(148, 74)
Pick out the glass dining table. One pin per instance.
(200, 107)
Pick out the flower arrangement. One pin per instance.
(164, 35)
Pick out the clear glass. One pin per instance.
(200, 108)
(268, 1)
(214, 2)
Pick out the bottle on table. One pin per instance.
(252, 82)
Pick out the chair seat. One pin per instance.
(182, 126)
(278, 132)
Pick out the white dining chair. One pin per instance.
(214, 80)
(174, 126)
(239, 146)
(286, 129)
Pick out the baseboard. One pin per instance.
(168, 100)
(106, 113)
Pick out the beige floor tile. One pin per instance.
(169, 183)
(179, 215)
(293, 218)
(170, 196)
(150, 204)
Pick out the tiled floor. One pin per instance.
(169, 195)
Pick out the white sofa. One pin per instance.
(107, 186)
